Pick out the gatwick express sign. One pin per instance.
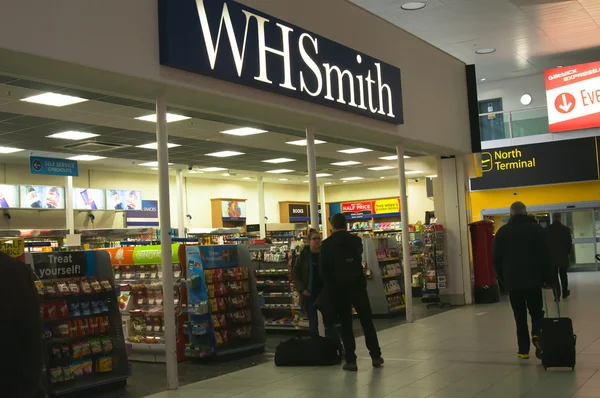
(229, 41)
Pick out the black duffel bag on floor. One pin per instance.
(314, 351)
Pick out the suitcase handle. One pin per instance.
(546, 302)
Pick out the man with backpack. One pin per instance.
(345, 283)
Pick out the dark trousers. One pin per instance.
(521, 302)
(561, 279)
(360, 300)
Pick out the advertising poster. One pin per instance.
(195, 270)
(42, 197)
(123, 199)
(61, 265)
(147, 217)
(233, 210)
(218, 256)
(89, 199)
(120, 256)
(13, 247)
(367, 209)
(151, 255)
(9, 196)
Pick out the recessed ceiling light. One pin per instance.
(6, 149)
(171, 117)
(283, 179)
(279, 160)
(86, 158)
(328, 183)
(247, 178)
(154, 168)
(243, 132)
(280, 171)
(483, 51)
(54, 99)
(346, 163)
(226, 175)
(151, 164)
(413, 172)
(382, 177)
(355, 150)
(352, 178)
(483, 79)
(154, 145)
(306, 181)
(212, 169)
(322, 175)
(379, 168)
(393, 157)
(526, 99)
(224, 154)
(303, 142)
(432, 176)
(413, 6)
(72, 135)
(195, 172)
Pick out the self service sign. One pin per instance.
(573, 95)
(229, 41)
(53, 166)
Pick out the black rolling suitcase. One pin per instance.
(558, 341)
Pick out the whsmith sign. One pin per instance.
(539, 164)
(228, 41)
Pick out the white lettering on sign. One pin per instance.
(325, 73)
(574, 101)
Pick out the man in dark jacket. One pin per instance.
(522, 263)
(21, 332)
(344, 279)
(559, 244)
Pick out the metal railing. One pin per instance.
(511, 124)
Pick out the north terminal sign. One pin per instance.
(229, 41)
(539, 164)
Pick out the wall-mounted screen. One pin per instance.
(233, 210)
(42, 197)
(89, 199)
(118, 199)
(9, 196)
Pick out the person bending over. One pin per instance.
(342, 273)
(522, 263)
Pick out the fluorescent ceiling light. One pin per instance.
(72, 135)
(151, 164)
(303, 142)
(483, 79)
(413, 6)
(328, 183)
(433, 176)
(352, 179)
(86, 158)
(392, 157)
(247, 178)
(321, 175)
(54, 99)
(379, 168)
(154, 168)
(483, 51)
(212, 169)
(279, 160)
(154, 145)
(195, 172)
(6, 149)
(226, 175)
(306, 181)
(413, 172)
(382, 177)
(355, 150)
(243, 132)
(346, 163)
(280, 171)
(224, 154)
(171, 117)
(283, 179)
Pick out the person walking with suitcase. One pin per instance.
(522, 262)
(560, 244)
(346, 285)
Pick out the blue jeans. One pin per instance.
(313, 323)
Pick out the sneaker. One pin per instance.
(377, 362)
(351, 366)
(523, 356)
(566, 294)
(539, 352)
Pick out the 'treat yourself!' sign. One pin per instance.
(229, 41)
(573, 95)
(60, 265)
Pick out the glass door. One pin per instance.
(585, 232)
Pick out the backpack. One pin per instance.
(348, 266)
(315, 351)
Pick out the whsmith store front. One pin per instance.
(557, 176)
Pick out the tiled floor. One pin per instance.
(465, 353)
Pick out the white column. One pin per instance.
(180, 204)
(312, 177)
(69, 205)
(323, 212)
(261, 208)
(405, 237)
(164, 208)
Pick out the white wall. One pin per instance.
(511, 90)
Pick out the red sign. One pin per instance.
(573, 96)
(355, 207)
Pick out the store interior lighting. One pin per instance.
(352, 179)
(72, 135)
(212, 169)
(243, 132)
(279, 160)
(247, 178)
(224, 154)
(86, 158)
(6, 149)
(303, 142)
(283, 179)
(171, 117)
(484, 51)
(407, 172)
(346, 163)
(392, 157)
(280, 171)
(432, 176)
(154, 145)
(380, 168)
(355, 150)
(413, 6)
(54, 99)
(195, 172)
(151, 164)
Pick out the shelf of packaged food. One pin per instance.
(398, 307)
(269, 272)
(280, 306)
(387, 260)
(62, 339)
(393, 293)
(270, 283)
(198, 351)
(361, 230)
(390, 276)
(148, 332)
(86, 382)
(76, 317)
(387, 230)
(275, 294)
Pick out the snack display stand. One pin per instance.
(84, 342)
(138, 274)
(382, 264)
(434, 264)
(222, 303)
